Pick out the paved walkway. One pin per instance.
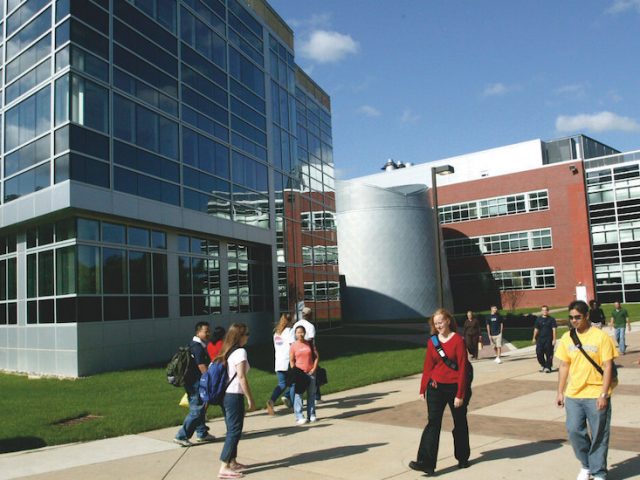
(372, 433)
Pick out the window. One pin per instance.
(83, 102)
(494, 207)
(28, 119)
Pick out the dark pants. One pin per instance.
(437, 400)
(472, 344)
(233, 411)
(544, 352)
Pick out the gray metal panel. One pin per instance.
(386, 247)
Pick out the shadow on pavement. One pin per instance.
(282, 431)
(16, 444)
(625, 469)
(314, 456)
(355, 400)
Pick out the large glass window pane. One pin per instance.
(184, 274)
(32, 275)
(113, 233)
(88, 269)
(66, 270)
(88, 229)
(45, 273)
(28, 119)
(114, 268)
(140, 272)
(160, 274)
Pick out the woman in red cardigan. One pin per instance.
(445, 381)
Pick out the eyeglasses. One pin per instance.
(575, 317)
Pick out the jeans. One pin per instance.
(281, 387)
(195, 421)
(620, 340)
(437, 400)
(544, 352)
(233, 411)
(311, 400)
(592, 450)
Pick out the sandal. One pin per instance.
(238, 467)
(230, 474)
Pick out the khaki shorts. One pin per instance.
(497, 340)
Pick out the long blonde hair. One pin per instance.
(285, 321)
(231, 341)
(445, 314)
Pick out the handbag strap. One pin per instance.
(447, 361)
(574, 336)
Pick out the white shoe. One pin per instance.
(497, 360)
(301, 421)
(183, 442)
(312, 419)
(584, 474)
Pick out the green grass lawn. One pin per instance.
(139, 400)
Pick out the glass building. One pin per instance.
(163, 162)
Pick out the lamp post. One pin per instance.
(440, 170)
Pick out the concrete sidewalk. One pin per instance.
(373, 433)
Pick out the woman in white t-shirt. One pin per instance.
(281, 342)
(234, 356)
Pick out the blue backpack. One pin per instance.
(214, 383)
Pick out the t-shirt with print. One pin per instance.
(281, 343)
(303, 356)
(238, 356)
(584, 380)
(619, 318)
(494, 322)
(545, 326)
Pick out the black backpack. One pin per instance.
(178, 366)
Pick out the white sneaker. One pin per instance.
(206, 439)
(183, 442)
(497, 360)
(584, 474)
(301, 421)
(312, 419)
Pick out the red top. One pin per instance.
(303, 356)
(213, 349)
(435, 369)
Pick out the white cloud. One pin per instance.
(369, 111)
(576, 90)
(495, 89)
(315, 21)
(327, 46)
(620, 6)
(408, 116)
(596, 122)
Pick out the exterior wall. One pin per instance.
(191, 119)
(386, 243)
(566, 216)
(613, 184)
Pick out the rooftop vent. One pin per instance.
(389, 166)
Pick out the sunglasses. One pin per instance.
(575, 317)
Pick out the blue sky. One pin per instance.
(420, 80)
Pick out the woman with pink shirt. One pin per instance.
(304, 356)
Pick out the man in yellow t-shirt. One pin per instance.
(586, 397)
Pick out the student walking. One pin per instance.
(544, 336)
(215, 343)
(445, 381)
(195, 421)
(596, 315)
(495, 327)
(472, 336)
(586, 394)
(620, 321)
(234, 356)
(304, 356)
(281, 346)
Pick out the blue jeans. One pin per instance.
(281, 387)
(592, 450)
(195, 421)
(233, 411)
(311, 400)
(622, 345)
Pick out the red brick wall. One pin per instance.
(566, 216)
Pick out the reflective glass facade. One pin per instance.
(185, 119)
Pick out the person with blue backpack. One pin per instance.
(234, 356)
(195, 421)
(446, 380)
